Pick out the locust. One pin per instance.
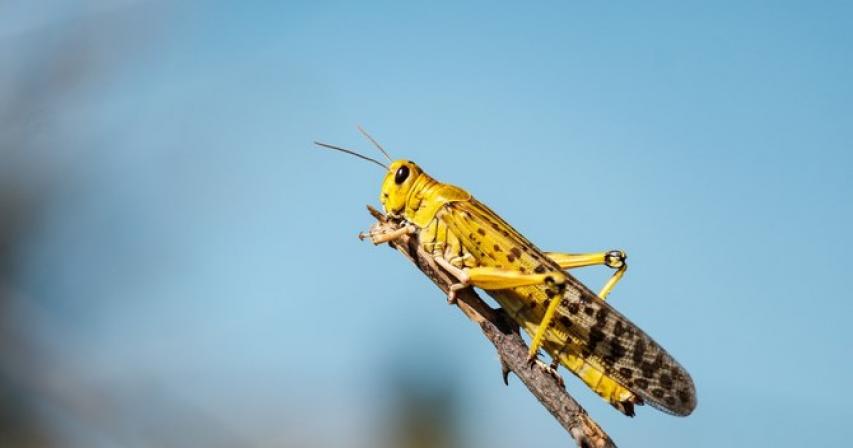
(575, 326)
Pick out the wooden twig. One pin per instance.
(504, 335)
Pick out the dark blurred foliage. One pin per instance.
(49, 397)
(46, 70)
(423, 415)
(33, 82)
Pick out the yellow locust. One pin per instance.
(574, 325)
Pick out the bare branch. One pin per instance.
(504, 335)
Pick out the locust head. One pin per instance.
(407, 192)
(397, 186)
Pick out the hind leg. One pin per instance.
(614, 259)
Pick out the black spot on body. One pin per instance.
(481, 232)
(565, 321)
(666, 381)
(595, 336)
(550, 293)
(658, 393)
(589, 311)
(650, 369)
(670, 401)
(573, 308)
(601, 314)
(618, 329)
(683, 396)
(639, 351)
(497, 248)
(510, 258)
(617, 350)
(539, 269)
(626, 372)
(516, 252)
(642, 383)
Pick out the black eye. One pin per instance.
(401, 175)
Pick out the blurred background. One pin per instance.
(179, 266)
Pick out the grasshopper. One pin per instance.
(574, 325)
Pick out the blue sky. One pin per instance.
(198, 241)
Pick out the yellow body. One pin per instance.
(604, 349)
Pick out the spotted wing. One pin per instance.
(584, 321)
(627, 353)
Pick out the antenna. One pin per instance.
(348, 151)
(375, 143)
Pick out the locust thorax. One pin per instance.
(408, 192)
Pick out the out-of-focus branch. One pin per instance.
(504, 335)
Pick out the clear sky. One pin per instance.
(196, 240)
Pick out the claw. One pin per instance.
(451, 292)
(532, 360)
(552, 372)
(555, 363)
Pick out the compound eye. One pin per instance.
(402, 174)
